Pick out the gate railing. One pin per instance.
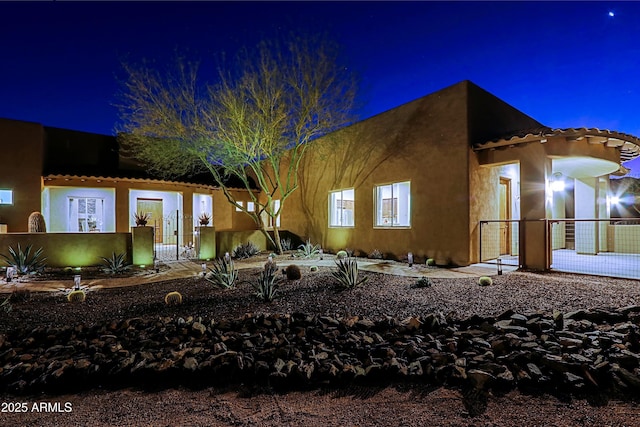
(175, 237)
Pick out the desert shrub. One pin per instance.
(76, 296)
(117, 264)
(342, 254)
(245, 250)
(223, 274)
(173, 298)
(266, 285)
(375, 254)
(308, 250)
(293, 272)
(286, 244)
(431, 262)
(36, 223)
(423, 282)
(25, 262)
(347, 274)
(485, 281)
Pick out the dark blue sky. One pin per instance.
(566, 64)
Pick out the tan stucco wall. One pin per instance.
(21, 148)
(424, 142)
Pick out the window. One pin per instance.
(85, 214)
(6, 197)
(341, 206)
(239, 206)
(251, 207)
(393, 205)
(266, 219)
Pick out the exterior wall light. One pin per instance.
(557, 182)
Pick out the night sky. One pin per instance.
(566, 64)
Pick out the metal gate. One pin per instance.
(175, 237)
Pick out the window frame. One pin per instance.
(353, 209)
(375, 206)
(10, 192)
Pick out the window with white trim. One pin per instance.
(86, 214)
(341, 208)
(267, 219)
(251, 207)
(393, 205)
(238, 206)
(6, 197)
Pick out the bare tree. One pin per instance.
(253, 124)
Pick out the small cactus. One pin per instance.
(313, 268)
(76, 296)
(431, 262)
(485, 281)
(342, 255)
(36, 223)
(423, 282)
(293, 272)
(173, 298)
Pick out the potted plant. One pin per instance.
(204, 218)
(141, 218)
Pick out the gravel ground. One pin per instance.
(316, 292)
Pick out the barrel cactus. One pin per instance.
(77, 296)
(342, 254)
(485, 281)
(293, 272)
(173, 298)
(36, 223)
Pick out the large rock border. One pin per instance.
(592, 354)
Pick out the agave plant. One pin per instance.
(25, 262)
(267, 284)
(347, 274)
(246, 250)
(116, 264)
(223, 274)
(308, 250)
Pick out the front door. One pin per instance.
(154, 208)
(505, 214)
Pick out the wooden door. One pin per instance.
(505, 214)
(154, 208)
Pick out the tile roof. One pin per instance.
(629, 145)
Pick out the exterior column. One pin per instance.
(535, 167)
(586, 198)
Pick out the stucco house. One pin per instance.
(82, 183)
(438, 174)
(459, 176)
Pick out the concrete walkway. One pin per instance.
(185, 269)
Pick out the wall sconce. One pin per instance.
(76, 282)
(557, 182)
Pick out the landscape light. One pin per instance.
(76, 282)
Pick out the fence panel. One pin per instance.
(499, 239)
(604, 247)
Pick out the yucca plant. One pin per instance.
(347, 274)
(308, 250)
(267, 284)
(223, 274)
(25, 262)
(117, 264)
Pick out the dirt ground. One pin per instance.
(366, 407)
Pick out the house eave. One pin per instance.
(85, 178)
(629, 145)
